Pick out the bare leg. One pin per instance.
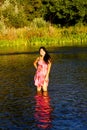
(44, 88)
(45, 93)
(39, 93)
(38, 89)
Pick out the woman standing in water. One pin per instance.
(42, 65)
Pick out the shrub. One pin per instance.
(39, 22)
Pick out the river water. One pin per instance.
(63, 107)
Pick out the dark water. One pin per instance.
(64, 107)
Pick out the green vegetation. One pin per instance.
(19, 13)
(25, 23)
(65, 12)
(42, 33)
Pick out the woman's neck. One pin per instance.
(41, 57)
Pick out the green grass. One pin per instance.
(20, 40)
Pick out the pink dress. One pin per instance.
(40, 75)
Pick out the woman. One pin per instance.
(42, 65)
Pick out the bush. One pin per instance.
(13, 15)
(2, 26)
(39, 22)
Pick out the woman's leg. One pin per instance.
(38, 89)
(44, 88)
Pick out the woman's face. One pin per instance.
(42, 52)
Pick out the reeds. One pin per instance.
(47, 36)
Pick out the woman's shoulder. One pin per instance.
(38, 58)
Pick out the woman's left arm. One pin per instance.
(49, 67)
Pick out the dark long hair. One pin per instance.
(47, 56)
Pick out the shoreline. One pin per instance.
(65, 49)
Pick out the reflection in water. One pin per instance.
(20, 110)
(43, 110)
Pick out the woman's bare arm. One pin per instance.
(35, 62)
(49, 67)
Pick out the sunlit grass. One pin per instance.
(47, 36)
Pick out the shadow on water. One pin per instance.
(64, 107)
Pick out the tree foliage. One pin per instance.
(12, 14)
(65, 12)
(19, 13)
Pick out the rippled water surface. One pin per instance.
(63, 107)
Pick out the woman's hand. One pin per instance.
(46, 78)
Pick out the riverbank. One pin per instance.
(56, 50)
(23, 39)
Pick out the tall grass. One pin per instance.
(46, 35)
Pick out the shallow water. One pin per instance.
(64, 107)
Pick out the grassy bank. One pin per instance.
(22, 39)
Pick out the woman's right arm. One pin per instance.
(35, 63)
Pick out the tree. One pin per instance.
(13, 14)
(19, 13)
(65, 12)
(32, 9)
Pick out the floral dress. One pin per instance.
(39, 78)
